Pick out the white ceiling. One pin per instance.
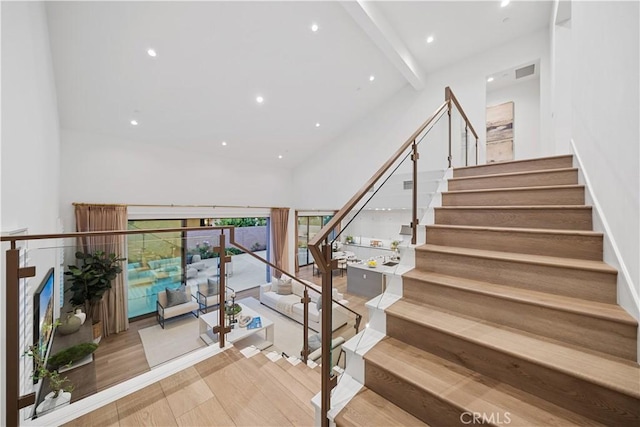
(214, 58)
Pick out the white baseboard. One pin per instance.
(628, 297)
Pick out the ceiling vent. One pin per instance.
(525, 71)
(407, 185)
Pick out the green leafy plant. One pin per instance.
(57, 383)
(71, 355)
(348, 239)
(394, 245)
(92, 278)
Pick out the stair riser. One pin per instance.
(579, 395)
(560, 245)
(615, 338)
(555, 219)
(589, 285)
(419, 403)
(543, 196)
(567, 177)
(529, 165)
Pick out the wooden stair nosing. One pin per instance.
(520, 189)
(542, 163)
(542, 260)
(374, 410)
(577, 244)
(611, 334)
(510, 174)
(519, 207)
(572, 217)
(619, 376)
(462, 388)
(600, 310)
(518, 230)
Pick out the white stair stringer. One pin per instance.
(436, 201)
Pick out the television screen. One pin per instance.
(43, 312)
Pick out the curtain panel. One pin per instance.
(113, 307)
(279, 224)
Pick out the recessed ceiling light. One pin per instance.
(152, 53)
(314, 27)
(259, 99)
(430, 39)
(224, 142)
(504, 3)
(280, 156)
(317, 125)
(372, 78)
(490, 79)
(134, 122)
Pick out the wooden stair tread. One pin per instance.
(600, 310)
(573, 263)
(520, 207)
(466, 389)
(511, 162)
(508, 174)
(519, 230)
(368, 409)
(619, 375)
(522, 189)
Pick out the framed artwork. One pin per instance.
(500, 132)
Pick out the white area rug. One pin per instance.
(182, 336)
(179, 337)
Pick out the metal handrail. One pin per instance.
(13, 273)
(314, 244)
(321, 250)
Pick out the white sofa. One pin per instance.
(296, 311)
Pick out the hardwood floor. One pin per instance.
(120, 357)
(224, 390)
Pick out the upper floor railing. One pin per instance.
(163, 271)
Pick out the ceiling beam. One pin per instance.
(373, 22)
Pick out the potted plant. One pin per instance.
(348, 240)
(92, 279)
(60, 387)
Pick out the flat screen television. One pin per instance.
(43, 313)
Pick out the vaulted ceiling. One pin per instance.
(213, 59)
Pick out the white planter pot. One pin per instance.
(50, 403)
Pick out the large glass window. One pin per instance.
(308, 227)
(154, 262)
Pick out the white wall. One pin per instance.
(102, 169)
(346, 163)
(526, 116)
(30, 140)
(605, 99)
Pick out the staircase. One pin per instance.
(509, 317)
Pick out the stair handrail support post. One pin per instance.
(305, 327)
(11, 362)
(447, 97)
(325, 336)
(414, 194)
(466, 144)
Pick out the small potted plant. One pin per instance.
(348, 240)
(61, 387)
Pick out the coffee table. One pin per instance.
(209, 320)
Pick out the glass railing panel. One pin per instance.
(374, 245)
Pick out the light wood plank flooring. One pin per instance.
(121, 357)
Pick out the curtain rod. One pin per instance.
(180, 206)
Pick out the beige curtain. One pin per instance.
(113, 308)
(279, 223)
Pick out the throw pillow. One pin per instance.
(274, 284)
(314, 342)
(284, 287)
(177, 296)
(213, 288)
